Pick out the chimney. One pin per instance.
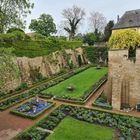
(118, 18)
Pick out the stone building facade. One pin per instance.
(123, 87)
(123, 79)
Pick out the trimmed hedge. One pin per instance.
(24, 46)
(27, 94)
(94, 54)
(30, 116)
(127, 128)
(85, 96)
(102, 103)
(15, 100)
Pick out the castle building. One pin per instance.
(124, 73)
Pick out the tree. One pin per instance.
(98, 35)
(122, 39)
(14, 29)
(73, 17)
(108, 30)
(43, 25)
(89, 38)
(97, 21)
(13, 12)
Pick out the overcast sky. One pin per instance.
(110, 9)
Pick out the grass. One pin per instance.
(72, 129)
(82, 82)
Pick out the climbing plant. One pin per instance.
(122, 39)
(8, 68)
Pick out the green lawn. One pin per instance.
(72, 129)
(82, 82)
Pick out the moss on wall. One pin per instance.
(8, 68)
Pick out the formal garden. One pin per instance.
(33, 108)
(65, 119)
(78, 87)
(61, 79)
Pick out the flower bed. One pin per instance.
(16, 99)
(27, 109)
(127, 128)
(26, 95)
(102, 103)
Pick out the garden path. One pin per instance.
(11, 125)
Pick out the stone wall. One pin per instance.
(45, 65)
(123, 85)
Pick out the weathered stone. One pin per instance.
(123, 79)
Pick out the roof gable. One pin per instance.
(128, 20)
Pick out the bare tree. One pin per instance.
(97, 21)
(73, 17)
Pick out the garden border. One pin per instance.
(53, 119)
(89, 94)
(29, 116)
(38, 89)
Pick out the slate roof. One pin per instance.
(128, 20)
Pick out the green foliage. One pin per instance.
(79, 129)
(43, 25)
(98, 35)
(92, 77)
(10, 39)
(122, 39)
(25, 95)
(14, 29)
(8, 68)
(108, 30)
(36, 75)
(102, 102)
(126, 127)
(38, 37)
(94, 54)
(89, 38)
(22, 86)
(38, 46)
(12, 13)
(79, 60)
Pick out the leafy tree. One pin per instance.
(108, 30)
(12, 13)
(73, 17)
(43, 25)
(124, 39)
(98, 35)
(89, 38)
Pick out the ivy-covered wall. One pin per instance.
(9, 70)
(96, 55)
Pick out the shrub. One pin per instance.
(94, 54)
(122, 39)
(22, 86)
(15, 29)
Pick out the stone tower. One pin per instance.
(123, 79)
